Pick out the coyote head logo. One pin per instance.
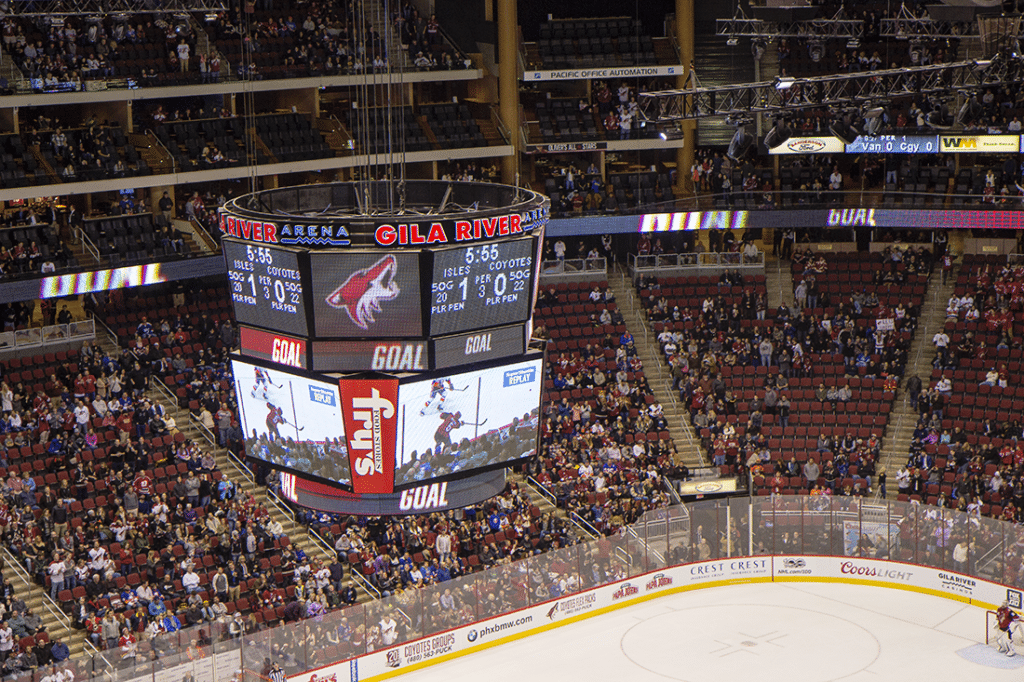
(361, 294)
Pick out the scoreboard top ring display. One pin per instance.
(434, 213)
(439, 271)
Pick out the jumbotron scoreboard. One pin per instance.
(332, 285)
(422, 291)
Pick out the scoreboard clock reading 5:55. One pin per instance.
(484, 285)
(266, 286)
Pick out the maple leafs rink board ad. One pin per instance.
(465, 421)
(440, 646)
(292, 422)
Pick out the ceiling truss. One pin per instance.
(843, 90)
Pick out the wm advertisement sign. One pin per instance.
(975, 144)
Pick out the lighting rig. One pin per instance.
(58, 8)
(841, 91)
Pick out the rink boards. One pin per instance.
(390, 661)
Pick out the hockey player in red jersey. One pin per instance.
(275, 416)
(1007, 621)
(449, 422)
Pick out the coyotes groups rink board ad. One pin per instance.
(460, 422)
(291, 421)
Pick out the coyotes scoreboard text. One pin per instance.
(484, 285)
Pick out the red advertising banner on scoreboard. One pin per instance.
(370, 411)
(280, 348)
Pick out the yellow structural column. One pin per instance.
(508, 83)
(684, 36)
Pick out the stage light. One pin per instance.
(740, 143)
(784, 82)
(844, 126)
(779, 134)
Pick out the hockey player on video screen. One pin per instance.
(261, 385)
(438, 390)
(1007, 621)
(449, 422)
(275, 416)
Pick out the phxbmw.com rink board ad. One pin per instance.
(376, 434)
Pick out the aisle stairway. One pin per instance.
(718, 64)
(656, 370)
(902, 419)
(242, 477)
(36, 599)
(778, 280)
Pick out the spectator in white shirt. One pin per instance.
(190, 581)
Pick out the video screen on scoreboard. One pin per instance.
(292, 422)
(484, 285)
(456, 423)
(366, 295)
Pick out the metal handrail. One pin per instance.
(200, 231)
(53, 607)
(730, 260)
(585, 525)
(87, 244)
(365, 583)
(369, 587)
(574, 266)
(499, 125)
(539, 488)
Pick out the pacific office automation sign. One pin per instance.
(370, 411)
(610, 72)
(421, 233)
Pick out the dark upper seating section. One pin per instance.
(134, 238)
(453, 125)
(205, 143)
(572, 43)
(291, 137)
(374, 123)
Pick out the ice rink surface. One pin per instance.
(785, 632)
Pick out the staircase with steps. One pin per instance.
(335, 135)
(490, 132)
(152, 152)
(51, 172)
(380, 21)
(655, 369)
(425, 127)
(260, 145)
(778, 280)
(902, 419)
(38, 601)
(295, 531)
(718, 64)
